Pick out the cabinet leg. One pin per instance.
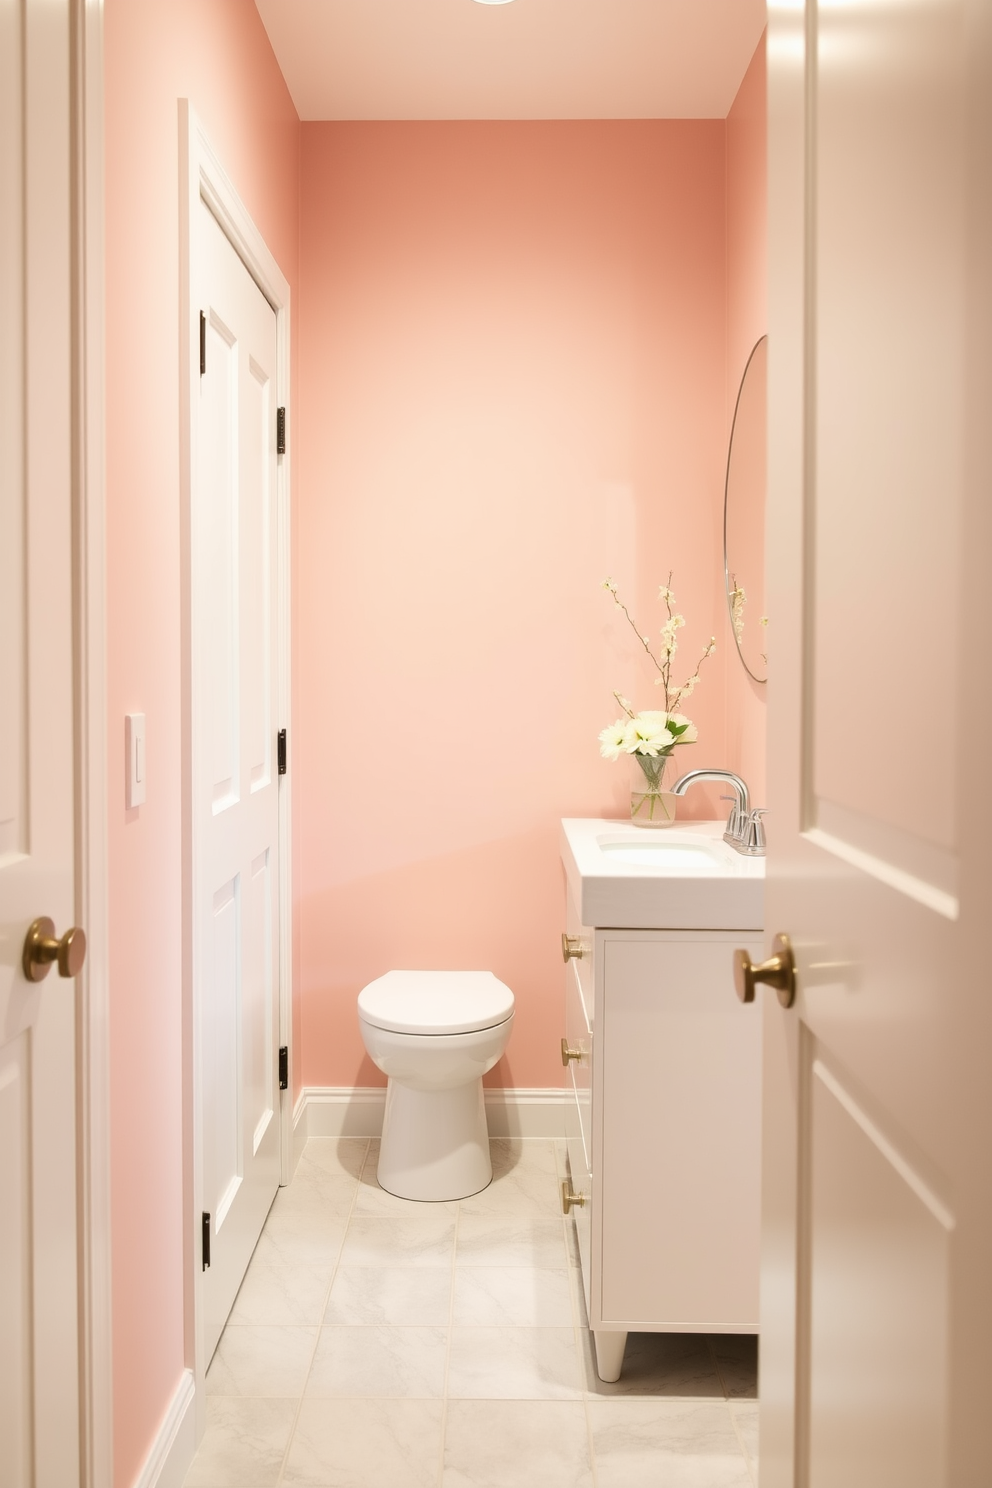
(609, 1355)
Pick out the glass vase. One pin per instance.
(650, 804)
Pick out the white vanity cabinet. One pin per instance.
(663, 1131)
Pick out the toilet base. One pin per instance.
(435, 1143)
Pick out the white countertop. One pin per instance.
(705, 885)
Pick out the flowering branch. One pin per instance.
(669, 646)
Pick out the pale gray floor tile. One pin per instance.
(373, 1362)
(511, 1296)
(524, 1191)
(745, 1414)
(510, 1154)
(300, 1243)
(243, 1444)
(263, 1362)
(513, 1364)
(736, 1357)
(272, 1294)
(516, 1444)
(510, 1240)
(312, 1188)
(423, 1239)
(577, 1290)
(371, 1200)
(662, 1365)
(678, 1443)
(301, 1230)
(406, 1297)
(341, 1155)
(366, 1444)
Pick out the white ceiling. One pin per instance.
(529, 59)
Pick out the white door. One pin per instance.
(235, 766)
(39, 1391)
(877, 1223)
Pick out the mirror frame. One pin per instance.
(762, 681)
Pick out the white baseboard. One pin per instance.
(173, 1449)
(301, 1130)
(357, 1110)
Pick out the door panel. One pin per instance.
(879, 1276)
(877, 1211)
(235, 789)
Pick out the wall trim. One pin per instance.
(90, 669)
(174, 1446)
(357, 1110)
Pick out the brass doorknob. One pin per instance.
(571, 946)
(779, 971)
(570, 1199)
(41, 948)
(567, 1054)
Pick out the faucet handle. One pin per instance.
(754, 832)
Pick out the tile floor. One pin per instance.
(381, 1344)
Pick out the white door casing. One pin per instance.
(236, 804)
(877, 1220)
(54, 1223)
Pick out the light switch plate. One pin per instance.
(134, 738)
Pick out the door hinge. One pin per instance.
(203, 343)
(284, 1067)
(280, 431)
(281, 751)
(205, 1240)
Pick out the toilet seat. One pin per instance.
(435, 1002)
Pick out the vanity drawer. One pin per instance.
(581, 1181)
(579, 1037)
(582, 966)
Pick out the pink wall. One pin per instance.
(513, 382)
(747, 319)
(216, 53)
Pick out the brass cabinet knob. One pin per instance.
(570, 1199)
(779, 971)
(41, 948)
(568, 1054)
(571, 946)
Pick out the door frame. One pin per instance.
(203, 178)
(84, 19)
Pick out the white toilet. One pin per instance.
(435, 1034)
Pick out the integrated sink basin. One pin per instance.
(684, 877)
(670, 853)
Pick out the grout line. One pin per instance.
(447, 1350)
(752, 1467)
(730, 1411)
(323, 1308)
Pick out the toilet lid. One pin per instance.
(435, 1001)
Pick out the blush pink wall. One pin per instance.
(216, 53)
(747, 320)
(513, 382)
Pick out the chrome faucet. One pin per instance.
(745, 832)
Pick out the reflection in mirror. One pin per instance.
(744, 516)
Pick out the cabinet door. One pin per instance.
(679, 1116)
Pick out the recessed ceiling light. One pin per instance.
(493, 2)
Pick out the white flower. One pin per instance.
(613, 740)
(689, 734)
(648, 734)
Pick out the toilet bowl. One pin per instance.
(434, 1034)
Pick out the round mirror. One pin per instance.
(744, 516)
